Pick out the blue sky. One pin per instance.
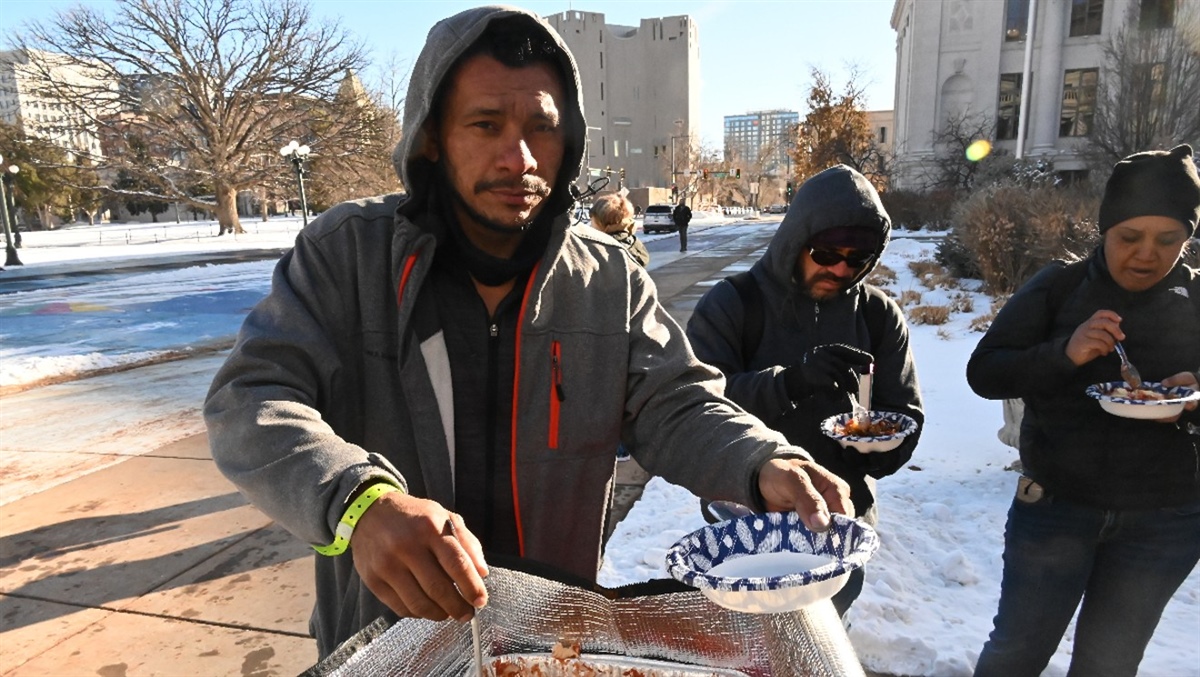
(754, 54)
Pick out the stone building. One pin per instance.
(641, 93)
(967, 58)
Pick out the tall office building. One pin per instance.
(964, 58)
(762, 140)
(641, 92)
(45, 115)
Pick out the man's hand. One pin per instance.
(827, 367)
(806, 487)
(1096, 337)
(419, 559)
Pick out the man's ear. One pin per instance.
(427, 144)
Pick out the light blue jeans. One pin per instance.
(1124, 564)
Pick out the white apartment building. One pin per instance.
(762, 139)
(967, 57)
(42, 115)
(641, 93)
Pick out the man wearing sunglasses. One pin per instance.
(794, 332)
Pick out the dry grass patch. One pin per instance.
(929, 314)
(962, 302)
(881, 275)
(909, 297)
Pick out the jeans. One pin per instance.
(1124, 564)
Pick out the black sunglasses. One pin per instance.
(826, 257)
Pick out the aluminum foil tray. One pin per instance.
(661, 621)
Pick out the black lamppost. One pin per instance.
(9, 177)
(297, 154)
(10, 258)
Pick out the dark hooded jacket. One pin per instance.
(794, 323)
(1069, 445)
(338, 379)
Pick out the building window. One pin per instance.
(1152, 84)
(1008, 109)
(601, 91)
(1079, 102)
(602, 60)
(883, 135)
(1016, 20)
(1086, 16)
(1157, 14)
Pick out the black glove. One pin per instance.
(827, 367)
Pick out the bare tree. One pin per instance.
(836, 131)
(215, 87)
(1150, 96)
(952, 167)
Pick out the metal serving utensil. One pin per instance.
(1128, 371)
(477, 654)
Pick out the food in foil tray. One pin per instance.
(564, 660)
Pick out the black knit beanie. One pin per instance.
(1153, 183)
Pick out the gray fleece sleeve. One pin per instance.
(263, 408)
(679, 423)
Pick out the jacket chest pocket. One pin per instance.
(586, 394)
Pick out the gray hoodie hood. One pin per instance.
(446, 42)
(838, 196)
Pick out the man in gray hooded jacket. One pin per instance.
(818, 325)
(435, 376)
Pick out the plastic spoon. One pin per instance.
(862, 407)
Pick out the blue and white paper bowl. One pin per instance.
(1177, 398)
(771, 562)
(865, 445)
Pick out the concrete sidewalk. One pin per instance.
(151, 566)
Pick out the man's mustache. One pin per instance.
(527, 183)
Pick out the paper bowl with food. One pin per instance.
(1152, 401)
(884, 430)
(771, 562)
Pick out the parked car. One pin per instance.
(658, 219)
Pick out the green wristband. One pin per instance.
(345, 528)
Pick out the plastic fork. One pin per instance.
(862, 407)
(1128, 371)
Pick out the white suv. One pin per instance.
(658, 218)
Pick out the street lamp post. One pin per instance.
(10, 258)
(9, 177)
(297, 154)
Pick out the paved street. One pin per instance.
(124, 557)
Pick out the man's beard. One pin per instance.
(810, 286)
(528, 183)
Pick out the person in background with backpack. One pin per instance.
(1108, 508)
(792, 334)
(682, 216)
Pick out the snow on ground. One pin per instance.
(932, 589)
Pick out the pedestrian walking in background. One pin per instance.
(793, 333)
(387, 401)
(1107, 510)
(613, 214)
(682, 215)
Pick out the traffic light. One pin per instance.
(704, 173)
(622, 175)
(790, 190)
(737, 173)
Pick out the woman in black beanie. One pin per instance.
(1108, 508)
